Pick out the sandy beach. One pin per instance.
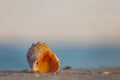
(66, 74)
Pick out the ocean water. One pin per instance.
(13, 57)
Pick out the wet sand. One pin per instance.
(66, 74)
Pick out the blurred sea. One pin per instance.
(13, 57)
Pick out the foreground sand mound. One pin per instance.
(42, 59)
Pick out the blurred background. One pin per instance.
(82, 33)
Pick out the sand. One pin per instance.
(67, 74)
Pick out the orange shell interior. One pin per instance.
(47, 62)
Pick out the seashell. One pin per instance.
(41, 59)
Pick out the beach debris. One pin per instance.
(41, 59)
(106, 73)
(67, 68)
(110, 73)
(36, 75)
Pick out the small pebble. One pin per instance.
(36, 75)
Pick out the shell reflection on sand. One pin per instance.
(41, 59)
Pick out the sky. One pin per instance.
(80, 21)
